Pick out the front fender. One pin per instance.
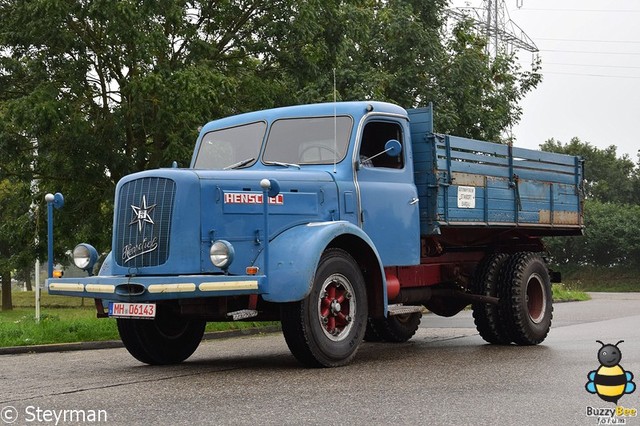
(295, 254)
(107, 265)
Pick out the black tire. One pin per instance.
(370, 334)
(326, 328)
(486, 315)
(526, 299)
(167, 339)
(394, 329)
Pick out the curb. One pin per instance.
(111, 344)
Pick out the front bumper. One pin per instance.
(150, 288)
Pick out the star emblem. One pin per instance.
(142, 214)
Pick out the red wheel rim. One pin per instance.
(536, 298)
(336, 307)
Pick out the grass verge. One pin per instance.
(57, 325)
(69, 320)
(562, 293)
(614, 279)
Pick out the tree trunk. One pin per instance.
(28, 281)
(7, 305)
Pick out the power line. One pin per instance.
(590, 52)
(526, 9)
(591, 65)
(583, 65)
(590, 41)
(590, 75)
(543, 72)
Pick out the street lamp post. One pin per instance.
(56, 201)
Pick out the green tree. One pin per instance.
(392, 51)
(399, 51)
(611, 238)
(16, 229)
(92, 91)
(481, 95)
(612, 233)
(608, 178)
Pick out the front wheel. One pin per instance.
(167, 339)
(526, 299)
(326, 328)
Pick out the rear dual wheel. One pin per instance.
(486, 315)
(526, 301)
(524, 313)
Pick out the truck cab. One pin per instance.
(341, 220)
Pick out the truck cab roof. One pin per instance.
(314, 134)
(355, 109)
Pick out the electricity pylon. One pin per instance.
(492, 19)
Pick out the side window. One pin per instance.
(374, 137)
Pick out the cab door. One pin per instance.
(388, 198)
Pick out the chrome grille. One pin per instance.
(143, 222)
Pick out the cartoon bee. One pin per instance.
(610, 381)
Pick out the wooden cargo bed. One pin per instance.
(469, 183)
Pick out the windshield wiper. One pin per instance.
(279, 163)
(239, 164)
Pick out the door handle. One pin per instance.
(413, 201)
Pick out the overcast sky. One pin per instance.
(590, 51)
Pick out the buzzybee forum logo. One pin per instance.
(610, 382)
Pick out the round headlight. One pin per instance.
(221, 254)
(85, 256)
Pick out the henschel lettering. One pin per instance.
(131, 251)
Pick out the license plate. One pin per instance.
(132, 310)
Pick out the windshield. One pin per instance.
(233, 147)
(315, 140)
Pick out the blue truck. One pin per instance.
(343, 221)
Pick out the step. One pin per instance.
(400, 309)
(242, 314)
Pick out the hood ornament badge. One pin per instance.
(142, 214)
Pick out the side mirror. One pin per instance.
(393, 148)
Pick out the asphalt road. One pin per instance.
(444, 375)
